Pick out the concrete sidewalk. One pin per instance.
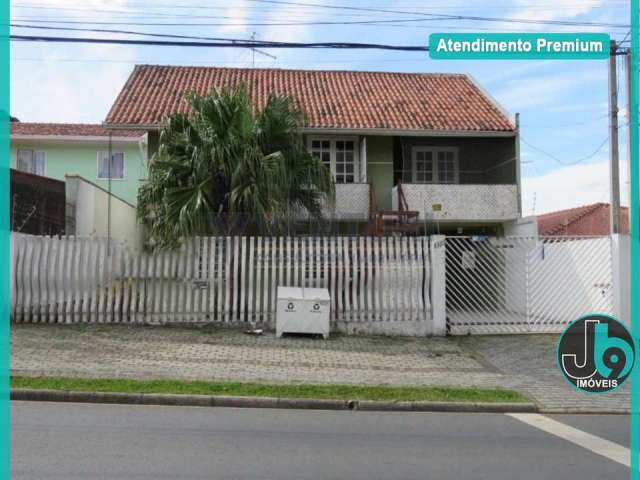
(526, 362)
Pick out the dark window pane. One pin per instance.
(25, 161)
(117, 165)
(40, 160)
(103, 165)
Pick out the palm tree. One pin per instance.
(226, 165)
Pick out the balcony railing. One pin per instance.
(352, 202)
(455, 202)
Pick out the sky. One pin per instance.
(563, 105)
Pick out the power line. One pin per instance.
(211, 41)
(585, 122)
(425, 16)
(565, 164)
(447, 16)
(226, 44)
(130, 32)
(439, 27)
(551, 6)
(625, 37)
(242, 24)
(350, 61)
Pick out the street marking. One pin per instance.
(598, 445)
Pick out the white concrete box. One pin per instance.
(303, 310)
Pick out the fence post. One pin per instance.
(437, 287)
(620, 276)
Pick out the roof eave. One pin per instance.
(73, 138)
(147, 127)
(353, 131)
(409, 132)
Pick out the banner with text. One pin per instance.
(519, 46)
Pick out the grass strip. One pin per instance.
(335, 392)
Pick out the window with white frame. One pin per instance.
(32, 161)
(435, 165)
(113, 169)
(340, 155)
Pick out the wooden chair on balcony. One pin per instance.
(393, 222)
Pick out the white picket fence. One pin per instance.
(216, 279)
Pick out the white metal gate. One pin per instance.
(525, 284)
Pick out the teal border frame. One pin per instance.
(634, 170)
(634, 221)
(4, 241)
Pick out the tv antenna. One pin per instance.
(256, 50)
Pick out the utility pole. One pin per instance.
(614, 164)
(110, 154)
(535, 199)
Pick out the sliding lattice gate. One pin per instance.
(221, 279)
(525, 284)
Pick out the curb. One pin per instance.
(585, 411)
(266, 402)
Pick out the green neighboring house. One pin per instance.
(58, 149)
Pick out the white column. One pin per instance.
(363, 160)
(438, 292)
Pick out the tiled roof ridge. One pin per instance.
(311, 70)
(65, 124)
(581, 212)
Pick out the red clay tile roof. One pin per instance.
(68, 130)
(331, 99)
(585, 220)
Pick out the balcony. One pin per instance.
(352, 202)
(460, 203)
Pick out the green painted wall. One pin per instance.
(380, 169)
(81, 159)
(478, 157)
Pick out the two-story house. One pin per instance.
(434, 144)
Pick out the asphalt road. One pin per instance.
(77, 441)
